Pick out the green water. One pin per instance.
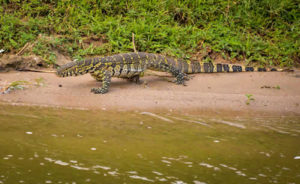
(46, 145)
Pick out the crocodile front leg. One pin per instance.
(106, 79)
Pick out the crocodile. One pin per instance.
(132, 66)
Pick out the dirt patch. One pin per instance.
(9, 62)
(208, 55)
(216, 91)
(96, 41)
(61, 59)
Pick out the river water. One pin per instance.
(54, 145)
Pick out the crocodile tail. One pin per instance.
(198, 67)
(75, 68)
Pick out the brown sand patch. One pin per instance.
(217, 92)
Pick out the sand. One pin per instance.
(214, 92)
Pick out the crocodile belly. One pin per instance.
(129, 70)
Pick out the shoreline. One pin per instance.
(274, 93)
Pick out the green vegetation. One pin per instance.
(263, 31)
(274, 87)
(40, 82)
(18, 84)
(21, 84)
(277, 87)
(249, 98)
(15, 85)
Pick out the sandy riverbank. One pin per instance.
(214, 92)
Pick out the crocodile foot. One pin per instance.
(180, 79)
(99, 90)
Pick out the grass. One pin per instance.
(263, 32)
(249, 98)
(21, 84)
(15, 85)
(40, 82)
(18, 84)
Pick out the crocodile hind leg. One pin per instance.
(180, 76)
(106, 79)
(135, 78)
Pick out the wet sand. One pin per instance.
(204, 92)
